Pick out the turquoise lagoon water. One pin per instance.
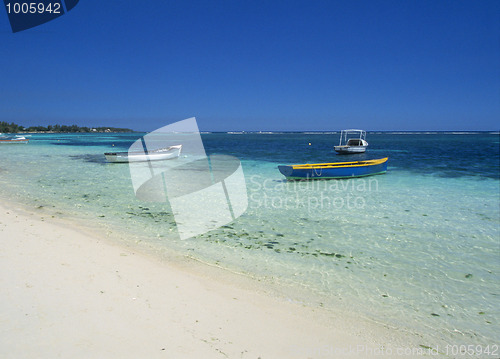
(417, 248)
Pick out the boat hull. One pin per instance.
(334, 170)
(14, 141)
(345, 150)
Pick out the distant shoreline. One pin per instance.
(15, 128)
(389, 132)
(52, 132)
(386, 132)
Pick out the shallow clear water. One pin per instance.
(417, 248)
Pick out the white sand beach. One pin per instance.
(68, 294)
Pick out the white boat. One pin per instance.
(166, 153)
(352, 141)
(16, 139)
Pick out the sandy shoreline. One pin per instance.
(69, 294)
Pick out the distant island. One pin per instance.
(15, 128)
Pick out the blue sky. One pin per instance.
(258, 65)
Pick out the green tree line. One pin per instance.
(15, 128)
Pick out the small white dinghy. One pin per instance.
(160, 154)
(15, 139)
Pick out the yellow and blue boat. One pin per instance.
(335, 170)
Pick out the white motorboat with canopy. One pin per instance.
(352, 141)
